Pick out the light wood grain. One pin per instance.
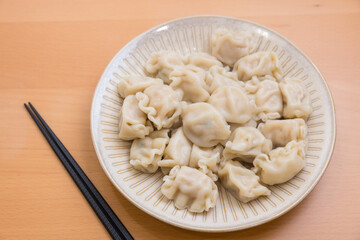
(53, 53)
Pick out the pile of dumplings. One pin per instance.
(229, 117)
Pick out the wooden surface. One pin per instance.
(53, 53)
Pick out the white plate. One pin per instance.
(189, 35)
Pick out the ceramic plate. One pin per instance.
(192, 34)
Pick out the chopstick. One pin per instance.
(102, 209)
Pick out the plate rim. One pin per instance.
(223, 229)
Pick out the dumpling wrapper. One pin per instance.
(218, 77)
(189, 188)
(251, 123)
(204, 125)
(177, 151)
(145, 153)
(267, 96)
(283, 131)
(133, 123)
(229, 46)
(258, 64)
(161, 104)
(163, 63)
(130, 85)
(296, 99)
(234, 126)
(189, 83)
(282, 164)
(240, 181)
(245, 143)
(233, 104)
(202, 60)
(206, 160)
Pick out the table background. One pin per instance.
(53, 53)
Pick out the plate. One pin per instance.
(191, 34)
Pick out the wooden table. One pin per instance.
(53, 53)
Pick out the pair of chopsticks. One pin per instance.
(106, 215)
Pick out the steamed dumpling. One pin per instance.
(245, 143)
(267, 96)
(189, 188)
(234, 126)
(204, 125)
(283, 131)
(133, 123)
(189, 83)
(296, 99)
(282, 164)
(163, 63)
(130, 85)
(177, 151)
(240, 181)
(251, 123)
(229, 46)
(258, 64)
(202, 60)
(145, 153)
(218, 76)
(161, 104)
(233, 104)
(206, 160)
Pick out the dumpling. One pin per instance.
(296, 99)
(252, 85)
(206, 160)
(268, 100)
(282, 165)
(240, 181)
(233, 104)
(267, 96)
(229, 46)
(189, 188)
(163, 63)
(204, 125)
(161, 104)
(202, 60)
(145, 153)
(177, 151)
(130, 85)
(234, 126)
(219, 76)
(245, 143)
(189, 83)
(283, 131)
(251, 123)
(258, 64)
(133, 123)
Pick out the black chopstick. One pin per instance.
(106, 215)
